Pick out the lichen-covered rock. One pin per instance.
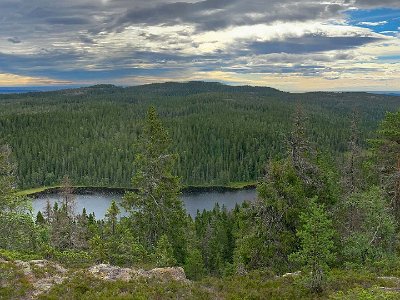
(175, 273)
(42, 274)
(108, 272)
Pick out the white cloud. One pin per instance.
(373, 23)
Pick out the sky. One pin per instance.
(292, 45)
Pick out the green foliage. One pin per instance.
(84, 287)
(194, 266)
(16, 224)
(7, 178)
(155, 206)
(164, 254)
(17, 232)
(222, 133)
(266, 234)
(98, 249)
(387, 154)
(366, 226)
(18, 255)
(214, 231)
(112, 214)
(40, 219)
(124, 248)
(73, 258)
(287, 227)
(365, 294)
(316, 252)
(13, 283)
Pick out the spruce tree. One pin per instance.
(40, 219)
(387, 152)
(112, 214)
(155, 206)
(316, 251)
(194, 266)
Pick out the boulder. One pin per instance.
(108, 272)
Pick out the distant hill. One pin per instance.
(30, 89)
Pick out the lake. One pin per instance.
(99, 202)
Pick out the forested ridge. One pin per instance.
(319, 229)
(222, 133)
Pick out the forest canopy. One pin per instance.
(222, 133)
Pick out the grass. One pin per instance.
(33, 191)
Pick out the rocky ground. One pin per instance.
(43, 279)
(42, 275)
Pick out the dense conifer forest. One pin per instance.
(325, 224)
(222, 133)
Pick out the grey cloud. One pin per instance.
(14, 40)
(43, 23)
(296, 58)
(310, 43)
(377, 3)
(217, 14)
(68, 20)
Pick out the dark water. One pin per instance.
(99, 202)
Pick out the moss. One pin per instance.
(13, 283)
(83, 286)
(369, 294)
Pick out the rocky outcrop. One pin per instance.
(108, 272)
(42, 274)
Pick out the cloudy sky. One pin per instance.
(293, 45)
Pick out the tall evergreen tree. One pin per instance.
(268, 233)
(387, 150)
(155, 206)
(317, 245)
(112, 214)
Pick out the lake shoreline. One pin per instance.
(88, 190)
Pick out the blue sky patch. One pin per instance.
(383, 20)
